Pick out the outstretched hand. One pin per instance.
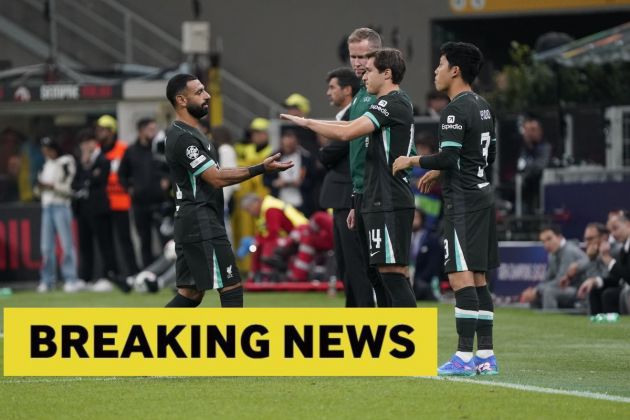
(426, 182)
(294, 119)
(272, 164)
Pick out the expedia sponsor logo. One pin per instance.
(452, 127)
(380, 109)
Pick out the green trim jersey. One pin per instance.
(360, 103)
(467, 124)
(198, 206)
(393, 136)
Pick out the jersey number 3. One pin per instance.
(485, 144)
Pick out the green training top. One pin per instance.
(360, 104)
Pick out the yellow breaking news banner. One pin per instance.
(220, 342)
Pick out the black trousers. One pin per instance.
(146, 217)
(604, 300)
(351, 265)
(122, 227)
(95, 227)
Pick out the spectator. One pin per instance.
(297, 105)
(300, 106)
(554, 293)
(145, 177)
(436, 102)
(619, 268)
(55, 183)
(427, 257)
(93, 213)
(222, 139)
(294, 185)
(534, 158)
(119, 200)
(9, 189)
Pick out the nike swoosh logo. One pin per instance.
(374, 253)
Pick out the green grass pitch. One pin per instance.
(552, 366)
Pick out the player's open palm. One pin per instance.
(272, 164)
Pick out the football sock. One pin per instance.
(486, 319)
(233, 298)
(484, 354)
(383, 297)
(180, 301)
(466, 313)
(464, 355)
(400, 290)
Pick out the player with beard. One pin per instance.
(204, 255)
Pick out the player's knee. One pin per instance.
(230, 287)
(400, 269)
(192, 294)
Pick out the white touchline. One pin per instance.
(533, 388)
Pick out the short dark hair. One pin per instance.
(554, 228)
(601, 228)
(389, 58)
(86, 134)
(359, 34)
(143, 122)
(345, 77)
(176, 84)
(466, 56)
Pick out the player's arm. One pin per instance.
(338, 130)
(452, 130)
(223, 177)
(444, 160)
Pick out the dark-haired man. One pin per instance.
(204, 255)
(336, 193)
(467, 146)
(388, 204)
(145, 177)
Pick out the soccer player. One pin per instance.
(360, 42)
(467, 146)
(204, 255)
(388, 204)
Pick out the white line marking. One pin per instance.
(532, 388)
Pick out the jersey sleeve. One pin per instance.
(452, 127)
(383, 112)
(191, 154)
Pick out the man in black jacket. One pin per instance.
(618, 268)
(145, 177)
(336, 193)
(92, 208)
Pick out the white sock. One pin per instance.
(484, 354)
(464, 355)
